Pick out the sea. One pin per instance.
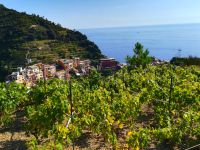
(162, 41)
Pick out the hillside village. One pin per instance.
(62, 69)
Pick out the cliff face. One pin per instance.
(43, 40)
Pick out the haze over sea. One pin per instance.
(163, 41)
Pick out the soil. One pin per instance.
(14, 137)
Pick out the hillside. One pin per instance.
(43, 40)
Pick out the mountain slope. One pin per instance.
(43, 40)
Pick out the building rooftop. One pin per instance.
(107, 59)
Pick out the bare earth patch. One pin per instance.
(13, 137)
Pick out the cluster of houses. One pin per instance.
(31, 74)
(62, 69)
(68, 67)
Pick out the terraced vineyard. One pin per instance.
(156, 107)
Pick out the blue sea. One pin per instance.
(163, 42)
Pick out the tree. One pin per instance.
(140, 58)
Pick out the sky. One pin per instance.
(79, 14)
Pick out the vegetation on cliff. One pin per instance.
(45, 41)
(185, 61)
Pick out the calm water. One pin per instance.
(163, 42)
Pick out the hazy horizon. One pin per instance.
(139, 26)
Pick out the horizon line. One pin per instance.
(137, 26)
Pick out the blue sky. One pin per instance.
(76, 14)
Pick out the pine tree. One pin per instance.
(140, 58)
